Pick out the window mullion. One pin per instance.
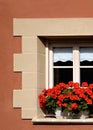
(76, 70)
(51, 82)
(47, 65)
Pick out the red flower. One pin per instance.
(84, 84)
(91, 96)
(74, 106)
(63, 85)
(76, 85)
(61, 97)
(88, 91)
(89, 101)
(77, 91)
(59, 103)
(44, 91)
(54, 96)
(42, 105)
(91, 86)
(70, 83)
(64, 104)
(50, 92)
(82, 95)
(74, 97)
(42, 98)
(58, 87)
(57, 92)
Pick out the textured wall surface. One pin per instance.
(9, 9)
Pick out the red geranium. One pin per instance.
(74, 106)
(71, 97)
(84, 84)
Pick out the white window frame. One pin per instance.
(76, 59)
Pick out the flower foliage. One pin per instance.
(71, 97)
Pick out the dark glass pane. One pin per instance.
(86, 63)
(63, 75)
(86, 75)
(60, 63)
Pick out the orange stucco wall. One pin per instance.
(10, 118)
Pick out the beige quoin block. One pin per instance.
(29, 62)
(18, 62)
(29, 80)
(17, 98)
(29, 44)
(29, 113)
(25, 62)
(29, 98)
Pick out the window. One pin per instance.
(69, 61)
(86, 64)
(62, 64)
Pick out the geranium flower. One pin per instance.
(57, 91)
(91, 86)
(89, 101)
(61, 97)
(64, 104)
(76, 85)
(74, 97)
(59, 103)
(42, 98)
(74, 106)
(88, 91)
(71, 83)
(84, 84)
(91, 96)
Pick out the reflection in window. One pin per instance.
(63, 54)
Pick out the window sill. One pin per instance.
(48, 120)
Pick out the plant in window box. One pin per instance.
(49, 100)
(77, 100)
(71, 97)
(90, 93)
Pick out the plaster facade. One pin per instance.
(12, 45)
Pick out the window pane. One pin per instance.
(63, 75)
(86, 75)
(86, 56)
(86, 63)
(62, 56)
(60, 63)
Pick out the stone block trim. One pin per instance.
(26, 62)
(53, 27)
(31, 62)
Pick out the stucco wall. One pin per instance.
(9, 9)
